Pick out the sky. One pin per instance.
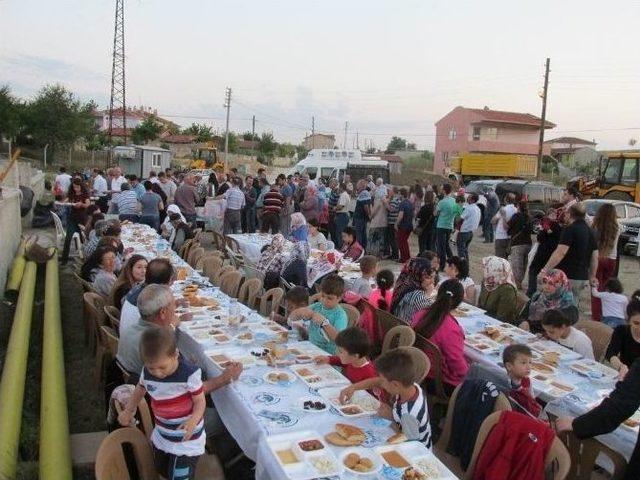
(386, 67)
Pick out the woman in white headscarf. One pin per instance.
(166, 228)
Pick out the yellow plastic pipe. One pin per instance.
(17, 270)
(13, 376)
(55, 450)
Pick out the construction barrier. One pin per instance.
(12, 383)
(55, 451)
(17, 270)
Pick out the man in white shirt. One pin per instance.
(168, 186)
(63, 181)
(99, 182)
(118, 180)
(501, 220)
(470, 221)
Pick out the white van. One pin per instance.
(331, 163)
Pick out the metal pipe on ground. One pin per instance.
(12, 382)
(55, 450)
(16, 273)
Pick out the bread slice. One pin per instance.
(334, 438)
(350, 432)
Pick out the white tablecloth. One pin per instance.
(250, 244)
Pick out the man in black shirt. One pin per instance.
(576, 254)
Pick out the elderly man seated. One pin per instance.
(157, 306)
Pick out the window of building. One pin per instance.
(156, 160)
(491, 133)
(452, 134)
(323, 154)
(476, 133)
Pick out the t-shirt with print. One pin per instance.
(446, 209)
(413, 417)
(407, 215)
(337, 317)
(172, 405)
(581, 242)
(579, 342)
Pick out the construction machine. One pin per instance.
(204, 157)
(617, 178)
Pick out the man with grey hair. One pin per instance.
(186, 197)
(127, 204)
(157, 306)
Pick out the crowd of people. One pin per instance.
(366, 221)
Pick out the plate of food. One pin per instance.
(304, 455)
(559, 389)
(482, 343)
(543, 368)
(362, 402)
(361, 461)
(414, 461)
(346, 435)
(592, 369)
(245, 338)
(320, 376)
(279, 377)
(312, 404)
(549, 346)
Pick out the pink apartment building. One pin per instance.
(482, 130)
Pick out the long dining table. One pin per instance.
(266, 405)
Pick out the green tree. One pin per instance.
(412, 146)
(302, 151)
(267, 144)
(11, 110)
(147, 131)
(396, 143)
(285, 150)
(56, 117)
(250, 136)
(233, 142)
(97, 141)
(200, 130)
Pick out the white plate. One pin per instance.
(301, 401)
(291, 378)
(361, 399)
(321, 376)
(419, 457)
(362, 452)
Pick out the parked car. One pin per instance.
(479, 186)
(628, 217)
(539, 195)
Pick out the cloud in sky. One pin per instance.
(384, 66)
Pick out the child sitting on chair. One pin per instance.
(517, 361)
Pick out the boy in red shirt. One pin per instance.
(352, 355)
(517, 361)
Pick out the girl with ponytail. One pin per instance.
(439, 326)
(381, 296)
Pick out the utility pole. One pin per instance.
(543, 117)
(313, 132)
(358, 140)
(253, 127)
(344, 143)
(118, 102)
(227, 105)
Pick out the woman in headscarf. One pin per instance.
(415, 289)
(299, 228)
(555, 295)
(166, 229)
(498, 295)
(309, 207)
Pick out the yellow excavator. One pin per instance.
(204, 157)
(617, 178)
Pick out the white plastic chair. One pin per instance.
(61, 235)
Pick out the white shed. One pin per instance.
(141, 159)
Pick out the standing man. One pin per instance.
(470, 221)
(118, 180)
(235, 203)
(362, 212)
(446, 212)
(287, 206)
(404, 226)
(250, 205)
(136, 186)
(576, 254)
(392, 202)
(186, 197)
(501, 221)
(62, 182)
(493, 205)
(273, 202)
(334, 195)
(99, 183)
(571, 197)
(168, 187)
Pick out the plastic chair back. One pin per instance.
(113, 314)
(420, 361)
(111, 463)
(230, 283)
(600, 335)
(398, 336)
(270, 301)
(353, 314)
(249, 291)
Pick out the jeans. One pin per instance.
(442, 245)
(341, 221)
(518, 259)
(72, 227)
(132, 217)
(391, 241)
(426, 240)
(232, 221)
(360, 225)
(271, 221)
(190, 218)
(487, 230)
(577, 286)
(152, 220)
(464, 239)
(250, 219)
(285, 223)
(402, 236)
(613, 322)
(502, 247)
(532, 287)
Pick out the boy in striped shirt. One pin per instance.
(177, 402)
(396, 374)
